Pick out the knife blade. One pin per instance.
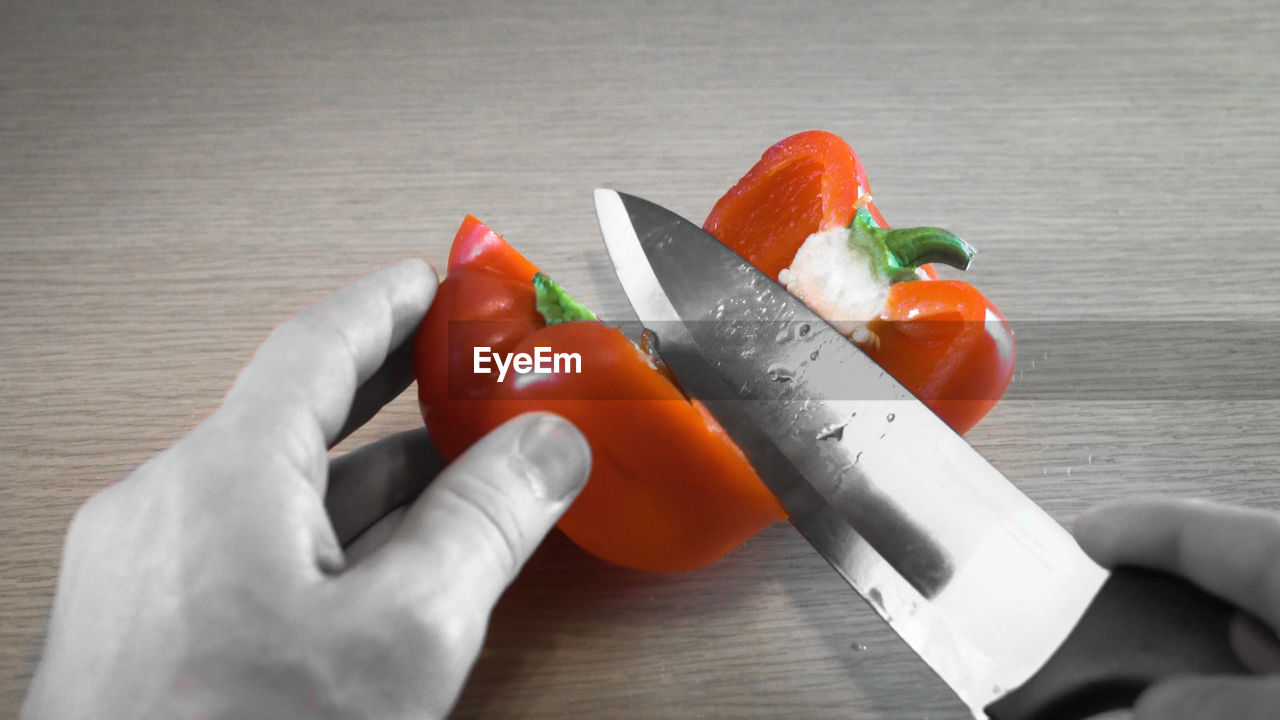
(993, 594)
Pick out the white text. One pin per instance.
(541, 361)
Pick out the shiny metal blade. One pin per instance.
(975, 577)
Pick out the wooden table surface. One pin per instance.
(178, 177)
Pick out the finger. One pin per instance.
(1210, 698)
(1230, 551)
(385, 385)
(1254, 643)
(374, 479)
(473, 528)
(294, 397)
(377, 535)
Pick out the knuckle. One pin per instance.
(100, 514)
(431, 627)
(90, 516)
(239, 439)
(417, 646)
(490, 514)
(312, 338)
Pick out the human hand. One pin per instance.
(211, 582)
(1231, 552)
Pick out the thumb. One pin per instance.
(471, 530)
(1211, 698)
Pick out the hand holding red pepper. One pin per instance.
(244, 573)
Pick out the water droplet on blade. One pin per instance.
(833, 432)
(890, 417)
(781, 373)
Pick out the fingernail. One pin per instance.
(556, 457)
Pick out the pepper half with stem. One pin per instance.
(669, 490)
(804, 215)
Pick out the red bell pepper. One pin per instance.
(668, 490)
(942, 339)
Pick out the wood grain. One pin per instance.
(177, 177)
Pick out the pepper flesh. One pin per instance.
(669, 491)
(943, 340)
(808, 182)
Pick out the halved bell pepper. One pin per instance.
(668, 491)
(804, 215)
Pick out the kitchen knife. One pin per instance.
(993, 594)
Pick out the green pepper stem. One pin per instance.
(555, 304)
(898, 252)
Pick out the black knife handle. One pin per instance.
(1141, 627)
